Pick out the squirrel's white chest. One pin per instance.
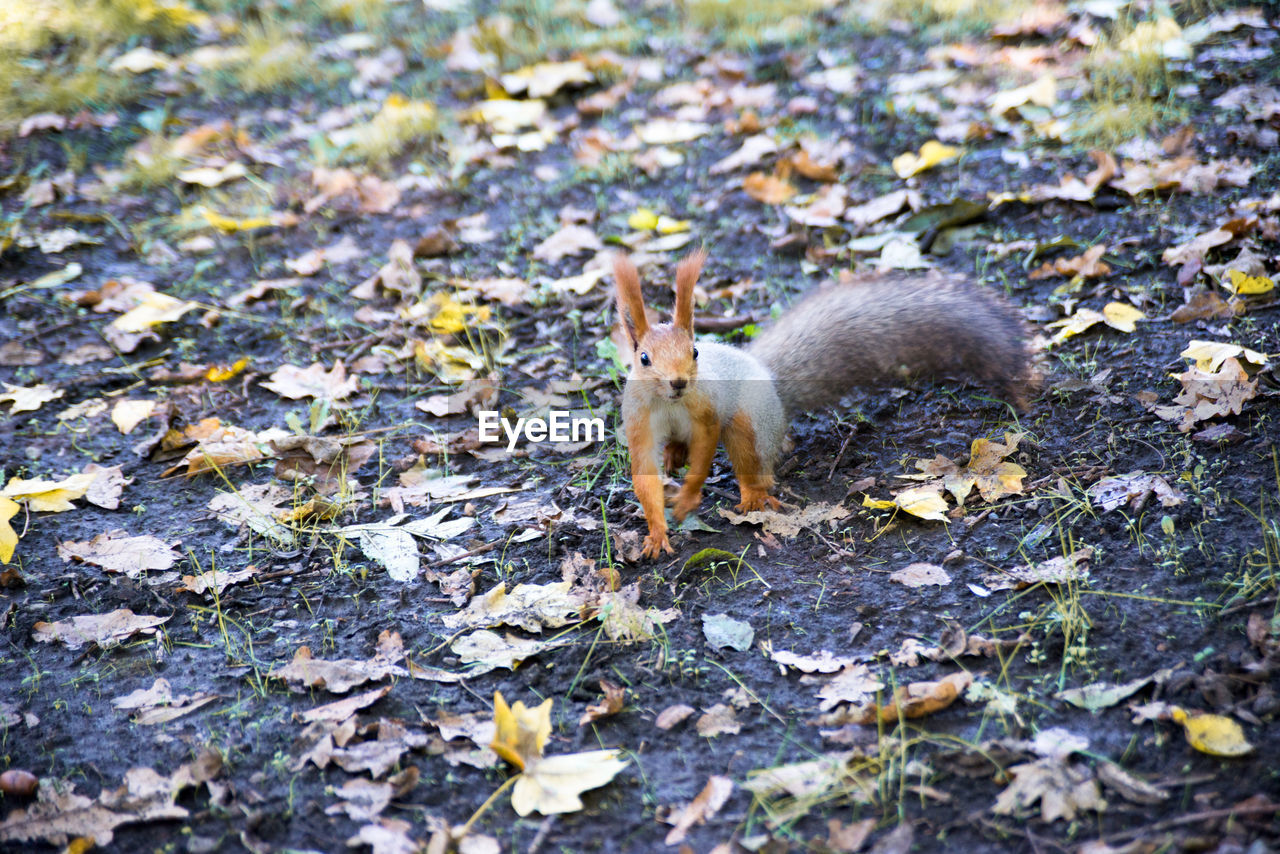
(669, 421)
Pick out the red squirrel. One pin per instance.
(684, 397)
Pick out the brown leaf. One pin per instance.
(708, 802)
(769, 189)
(615, 698)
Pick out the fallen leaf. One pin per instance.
(341, 675)
(769, 189)
(707, 803)
(127, 414)
(528, 606)
(1213, 734)
(724, 632)
(718, 720)
(613, 702)
(932, 153)
(914, 700)
(28, 399)
(117, 551)
(569, 240)
(295, 383)
(672, 715)
(921, 575)
(47, 496)
(548, 785)
(8, 537)
(105, 630)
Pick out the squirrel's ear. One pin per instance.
(630, 299)
(686, 278)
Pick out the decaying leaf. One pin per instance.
(921, 575)
(105, 630)
(914, 700)
(117, 551)
(28, 399)
(528, 606)
(314, 381)
(341, 675)
(1133, 489)
(708, 802)
(789, 524)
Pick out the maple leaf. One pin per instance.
(546, 784)
(313, 381)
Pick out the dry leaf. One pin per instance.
(116, 551)
(105, 630)
(30, 399)
(932, 153)
(769, 189)
(921, 575)
(47, 496)
(708, 802)
(296, 383)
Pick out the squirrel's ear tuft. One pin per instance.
(686, 277)
(630, 299)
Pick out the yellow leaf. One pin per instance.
(1121, 316)
(230, 225)
(932, 153)
(153, 309)
(47, 496)
(222, 373)
(1076, 323)
(1209, 355)
(552, 785)
(1244, 284)
(667, 225)
(922, 501)
(8, 537)
(642, 220)
(877, 503)
(520, 733)
(1213, 734)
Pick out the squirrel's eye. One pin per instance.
(695, 354)
(644, 359)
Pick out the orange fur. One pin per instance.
(702, 450)
(753, 484)
(686, 277)
(647, 484)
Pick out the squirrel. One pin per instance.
(683, 397)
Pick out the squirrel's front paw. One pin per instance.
(656, 543)
(758, 501)
(686, 502)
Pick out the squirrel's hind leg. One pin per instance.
(755, 476)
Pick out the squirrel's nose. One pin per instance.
(679, 384)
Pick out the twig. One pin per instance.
(1192, 818)
(476, 551)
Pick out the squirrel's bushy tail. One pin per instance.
(887, 327)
